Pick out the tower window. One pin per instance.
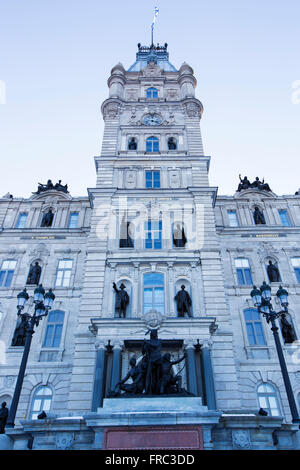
(254, 327)
(152, 93)
(284, 217)
(154, 292)
(243, 272)
(152, 179)
(152, 145)
(21, 223)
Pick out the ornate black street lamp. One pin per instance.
(42, 304)
(262, 300)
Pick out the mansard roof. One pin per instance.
(157, 54)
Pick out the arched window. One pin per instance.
(154, 292)
(41, 401)
(152, 93)
(54, 329)
(152, 144)
(254, 327)
(268, 399)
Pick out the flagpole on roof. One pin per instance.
(156, 10)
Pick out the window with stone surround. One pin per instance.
(55, 323)
(7, 272)
(268, 399)
(243, 272)
(153, 234)
(152, 179)
(151, 93)
(63, 273)
(296, 265)
(22, 219)
(254, 327)
(41, 401)
(154, 292)
(284, 217)
(152, 145)
(73, 219)
(232, 218)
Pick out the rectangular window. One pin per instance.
(73, 219)
(63, 273)
(21, 223)
(153, 234)
(154, 292)
(243, 272)
(7, 272)
(254, 328)
(232, 217)
(284, 217)
(153, 179)
(54, 329)
(296, 266)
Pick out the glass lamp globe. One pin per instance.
(39, 293)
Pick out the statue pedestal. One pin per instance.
(164, 422)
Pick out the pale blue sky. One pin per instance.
(56, 56)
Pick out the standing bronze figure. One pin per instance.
(3, 417)
(47, 219)
(184, 302)
(287, 329)
(258, 216)
(122, 300)
(273, 272)
(34, 274)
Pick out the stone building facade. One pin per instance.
(152, 223)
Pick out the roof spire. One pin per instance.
(156, 10)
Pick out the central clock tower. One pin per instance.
(152, 184)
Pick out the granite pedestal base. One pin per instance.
(153, 422)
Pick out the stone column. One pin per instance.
(99, 377)
(135, 290)
(209, 384)
(116, 365)
(191, 367)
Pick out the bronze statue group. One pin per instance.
(152, 374)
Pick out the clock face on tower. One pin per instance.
(152, 120)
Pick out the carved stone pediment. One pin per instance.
(152, 70)
(254, 194)
(39, 251)
(51, 196)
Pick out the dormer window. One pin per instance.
(151, 93)
(152, 145)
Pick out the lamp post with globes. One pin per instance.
(262, 300)
(42, 304)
